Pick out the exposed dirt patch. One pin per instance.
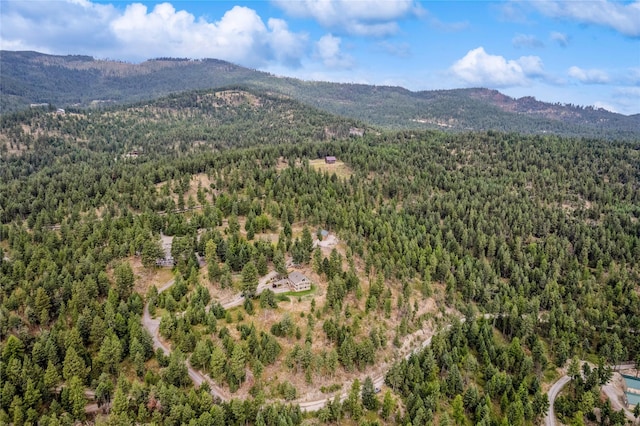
(144, 277)
(200, 180)
(237, 97)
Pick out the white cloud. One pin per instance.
(72, 27)
(604, 105)
(288, 47)
(620, 16)
(137, 33)
(328, 50)
(560, 38)
(479, 68)
(591, 76)
(239, 36)
(526, 40)
(363, 17)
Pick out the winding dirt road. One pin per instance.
(152, 325)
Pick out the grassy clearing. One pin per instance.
(339, 168)
(295, 294)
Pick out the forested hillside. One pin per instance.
(31, 78)
(528, 245)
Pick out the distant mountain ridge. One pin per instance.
(82, 81)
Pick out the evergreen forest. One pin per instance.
(455, 276)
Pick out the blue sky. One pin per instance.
(580, 52)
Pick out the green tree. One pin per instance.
(458, 410)
(388, 405)
(213, 269)
(249, 280)
(77, 400)
(369, 399)
(307, 244)
(217, 362)
(353, 404)
(51, 377)
(73, 366)
(236, 372)
(261, 265)
(201, 355)
(104, 390)
(124, 280)
(120, 399)
(13, 348)
(176, 372)
(151, 251)
(279, 263)
(110, 354)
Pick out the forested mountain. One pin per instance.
(31, 78)
(515, 252)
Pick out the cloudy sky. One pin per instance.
(580, 52)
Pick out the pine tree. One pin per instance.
(261, 265)
(236, 365)
(388, 405)
(73, 365)
(249, 280)
(279, 263)
(77, 400)
(217, 362)
(124, 280)
(307, 244)
(369, 399)
(51, 377)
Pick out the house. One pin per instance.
(295, 281)
(60, 111)
(329, 159)
(299, 282)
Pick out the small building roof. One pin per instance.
(297, 278)
(330, 158)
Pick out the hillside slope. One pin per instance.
(30, 77)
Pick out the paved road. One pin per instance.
(550, 419)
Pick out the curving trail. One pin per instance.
(152, 325)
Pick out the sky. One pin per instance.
(569, 51)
